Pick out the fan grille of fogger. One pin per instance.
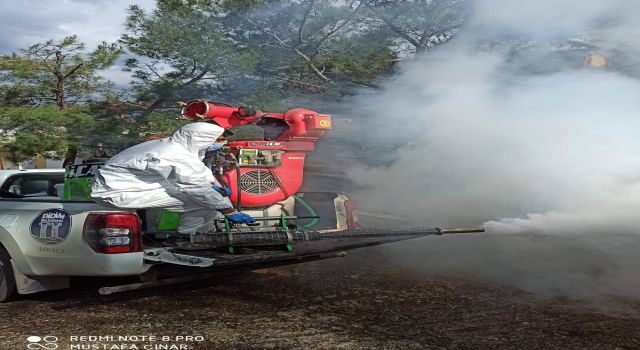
(258, 182)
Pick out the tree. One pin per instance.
(224, 49)
(46, 130)
(182, 51)
(313, 45)
(159, 125)
(420, 24)
(304, 28)
(56, 71)
(241, 51)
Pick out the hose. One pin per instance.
(237, 166)
(239, 204)
(284, 210)
(275, 177)
(298, 199)
(309, 209)
(221, 180)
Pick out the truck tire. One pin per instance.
(7, 280)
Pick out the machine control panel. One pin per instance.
(259, 157)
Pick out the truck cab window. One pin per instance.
(30, 186)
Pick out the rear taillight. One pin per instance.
(352, 214)
(113, 233)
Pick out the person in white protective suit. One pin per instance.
(169, 174)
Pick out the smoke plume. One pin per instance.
(527, 122)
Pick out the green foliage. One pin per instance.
(55, 72)
(416, 26)
(229, 49)
(114, 132)
(47, 130)
(266, 101)
(358, 60)
(248, 60)
(246, 52)
(160, 124)
(187, 53)
(311, 46)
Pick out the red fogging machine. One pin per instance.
(263, 162)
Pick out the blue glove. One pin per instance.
(241, 218)
(224, 191)
(215, 147)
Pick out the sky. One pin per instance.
(25, 23)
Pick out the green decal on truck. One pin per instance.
(77, 182)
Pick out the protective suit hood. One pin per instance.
(165, 174)
(196, 137)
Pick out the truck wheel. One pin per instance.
(7, 281)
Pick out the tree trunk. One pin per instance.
(60, 94)
(157, 103)
(60, 81)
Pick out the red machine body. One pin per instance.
(270, 167)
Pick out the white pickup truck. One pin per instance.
(44, 240)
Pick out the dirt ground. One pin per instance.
(343, 303)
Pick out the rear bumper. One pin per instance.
(96, 265)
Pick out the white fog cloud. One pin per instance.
(523, 137)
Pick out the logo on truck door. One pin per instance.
(52, 226)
